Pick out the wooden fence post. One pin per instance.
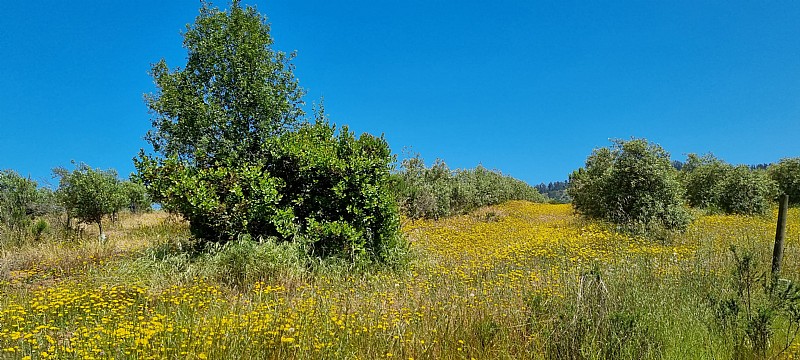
(780, 234)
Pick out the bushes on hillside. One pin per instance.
(437, 191)
(632, 184)
(713, 184)
(786, 173)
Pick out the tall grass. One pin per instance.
(528, 281)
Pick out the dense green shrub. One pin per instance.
(713, 184)
(236, 156)
(438, 192)
(745, 191)
(325, 189)
(701, 177)
(786, 173)
(632, 184)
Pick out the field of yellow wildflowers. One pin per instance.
(518, 280)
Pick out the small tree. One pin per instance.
(786, 173)
(136, 198)
(633, 183)
(19, 201)
(88, 194)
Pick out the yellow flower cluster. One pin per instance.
(473, 275)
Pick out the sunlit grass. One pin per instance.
(490, 284)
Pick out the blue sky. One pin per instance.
(526, 87)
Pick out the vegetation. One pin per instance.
(277, 217)
(238, 159)
(21, 202)
(712, 184)
(437, 191)
(533, 280)
(555, 191)
(633, 184)
(786, 173)
(90, 194)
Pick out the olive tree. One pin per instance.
(89, 194)
(632, 183)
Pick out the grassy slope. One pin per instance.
(517, 280)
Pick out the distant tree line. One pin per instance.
(556, 192)
(437, 191)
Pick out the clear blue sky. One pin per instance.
(529, 88)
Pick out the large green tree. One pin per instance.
(234, 93)
(236, 156)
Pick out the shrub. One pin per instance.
(326, 190)
(701, 177)
(136, 198)
(745, 191)
(632, 184)
(713, 184)
(18, 198)
(22, 202)
(786, 173)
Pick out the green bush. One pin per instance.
(701, 177)
(135, 197)
(745, 191)
(236, 156)
(22, 202)
(437, 191)
(326, 190)
(786, 173)
(632, 184)
(713, 184)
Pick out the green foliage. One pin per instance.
(234, 93)
(244, 261)
(713, 184)
(786, 173)
(18, 199)
(702, 176)
(748, 309)
(437, 191)
(745, 191)
(90, 194)
(326, 190)
(237, 157)
(136, 198)
(632, 184)
(22, 202)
